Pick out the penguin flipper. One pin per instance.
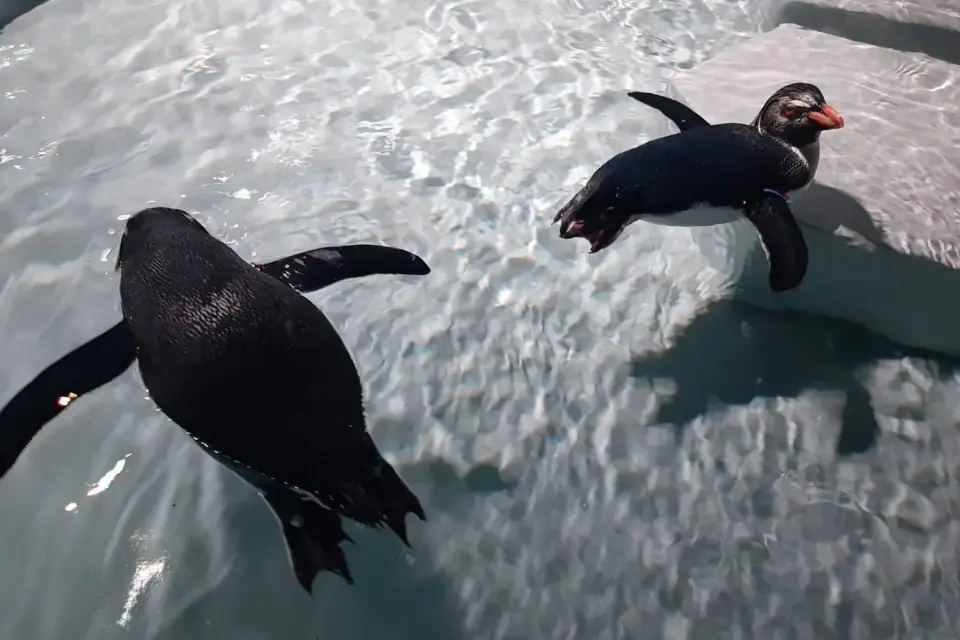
(81, 371)
(312, 535)
(782, 239)
(680, 114)
(316, 269)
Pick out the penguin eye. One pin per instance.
(789, 111)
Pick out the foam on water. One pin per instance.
(524, 389)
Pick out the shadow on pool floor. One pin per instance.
(735, 353)
(398, 594)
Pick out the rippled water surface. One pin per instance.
(603, 448)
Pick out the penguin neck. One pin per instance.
(811, 153)
(805, 144)
(805, 138)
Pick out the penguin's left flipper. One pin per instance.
(316, 269)
(680, 114)
(312, 533)
(84, 369)
(782, 239)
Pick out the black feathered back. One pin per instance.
(721, 165)
(252, 369)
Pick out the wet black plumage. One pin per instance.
(252, 370)
(745, 167)
(722, 165)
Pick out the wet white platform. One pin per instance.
(883, 216)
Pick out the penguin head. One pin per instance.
(797, 113)
(601, 228)
(146, 225)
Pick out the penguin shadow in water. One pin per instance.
(829, 209)
(13, 9)
(735, 352)
(399, 593)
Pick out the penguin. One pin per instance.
(735, 168)
(255, 373)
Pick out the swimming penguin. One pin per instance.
(250, 369)
(747, 169)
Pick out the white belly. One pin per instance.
(700, 216)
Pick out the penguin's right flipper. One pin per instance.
(316, 269)
(782, 239)
(680, 114)
(312, 535)
(84, 369)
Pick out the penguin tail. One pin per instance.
(399, 501)
(371, 492)
(357, 483)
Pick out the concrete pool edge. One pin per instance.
(907, 25)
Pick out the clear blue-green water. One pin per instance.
(604, 451)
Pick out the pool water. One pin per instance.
(606, 448)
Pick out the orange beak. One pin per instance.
(827, 118)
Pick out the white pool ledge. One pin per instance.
(882, 219)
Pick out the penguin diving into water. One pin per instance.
(254, 372)
(737, 168)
